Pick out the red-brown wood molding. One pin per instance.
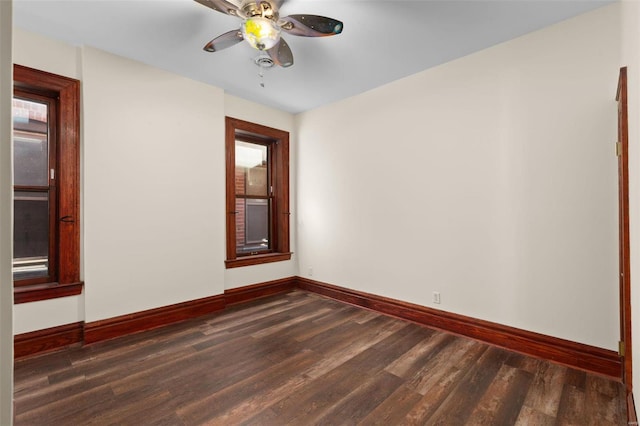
(256, 291)
(153, 318)
(565, 352)
(59, 337)
(35, 292)
(572, 354)
(632, 417)
(46, 340)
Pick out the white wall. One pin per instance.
(152, 186)
(630, 28)
(490, 179)
(6, 211)
(35, 51)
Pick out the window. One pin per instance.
(46, 261)
(34, 191)
(257, 194)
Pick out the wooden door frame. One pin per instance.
(623, 206)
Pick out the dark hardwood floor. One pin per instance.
(299, 358)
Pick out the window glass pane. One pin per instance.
(252, 225)
(251, 169)
(31, 234)
(30, 143)
(258, 222)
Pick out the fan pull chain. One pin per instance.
(263, 62)
(261, 74)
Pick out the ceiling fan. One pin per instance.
(262, 25)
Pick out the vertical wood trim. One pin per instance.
(283, 210)
(623, 205)
(69, 181)
(230, 156)
(632, 417)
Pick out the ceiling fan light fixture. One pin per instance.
(261, 28)
(261, 33)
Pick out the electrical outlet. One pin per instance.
(436, 297)
(310, 271)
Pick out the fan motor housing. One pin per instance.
(262, 8)
(264, 62)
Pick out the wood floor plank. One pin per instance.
(602, 401)
(238, 414)
(344, 334)
(140, 408)
(318, 395)
(503, 399)
(268, 331)
(459, 405)
(240, 319)
(530, 417)
(387, 350)
(69, 408)
(299, 359)
(218, 402)
(412, 361)
(452, 360)
(361, 401)
(394, 409)
(523, 362)
(439, 384)
(321, 325)
(344, 353)
(278, 318)
(546, 389)
(571, 410)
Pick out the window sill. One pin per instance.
(257, 259)
(36, 292)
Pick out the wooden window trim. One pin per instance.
(280, 179)
(67, 90)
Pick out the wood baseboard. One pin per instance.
(565, 352)
(256, 291)
(153, 318)
(59, 337)
(47, 340)
(572, 354)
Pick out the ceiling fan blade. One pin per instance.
(276, 4)
(223, 41)
(222, 6)
(310, 25)
(281, 54)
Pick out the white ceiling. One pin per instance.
(382, 41)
